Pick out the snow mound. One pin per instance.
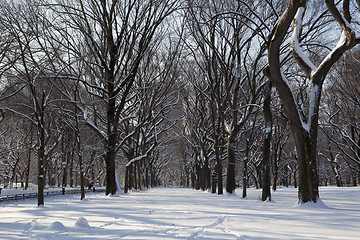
(229, 194)
(57, 226)
(113, 195)
(82, 222)
(311, 205)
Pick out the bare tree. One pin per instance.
(341, 124)
(33, 57)
(304, 125)
(197, 131)
(114, 36)
(266, 193)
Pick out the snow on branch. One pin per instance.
(92, 125)
(299, 55)
(342, 42)
(139, 158)
(347, 39)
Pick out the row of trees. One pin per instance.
(237, 52)
(179, 91)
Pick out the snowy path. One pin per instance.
(184, 214)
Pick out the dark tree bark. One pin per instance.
(126, 184)
(71, 169)
(219, 177)
(41, 152)
(231, 161)
(29, 152)
(266, 193)
(213, 182)
(245, 176)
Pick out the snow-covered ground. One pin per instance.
(174, 213)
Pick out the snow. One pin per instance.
(342, 42)
(306, 126)
(315, 92)
(268, 127)
(57, 227)
(139, 158)
(228, 127)
(182, 213)
(82, 222)
(311, 205)
(295, 40)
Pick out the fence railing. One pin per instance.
(23, 196)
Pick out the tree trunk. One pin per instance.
(197, 176)
(308, 178)
(230, 176)
(147, 177)
(27, 172)
(218, 166)
(110, 173)
(138, 174)
(245, 177)
(213, 182)
(275, 171)
(82, 179)
(207, 174)
(13, 175)
(152, 176)
(354, 178)
(111, 142)
(64, 163)
(219, 178)
(266, 193)
(193, 179)
(110, 153)
(131, 177)
(41, 168)
(336, 173)
(187, 180)
(82, 185)
(71, 170)
(255, 177)
(260, 176)
(126, 185)
(202, 178)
